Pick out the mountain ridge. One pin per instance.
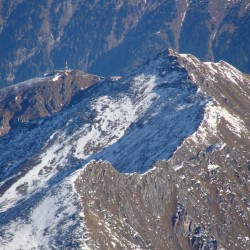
(41, 97)
(177, 116)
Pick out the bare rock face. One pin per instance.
(127, 211)
(201, 205)
(36, 98)
(155, 160)
(113, 37)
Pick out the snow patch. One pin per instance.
(212, 167)
(178, 167)
(59, 206)
(214, 114)
(56, 77)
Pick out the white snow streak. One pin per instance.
(213, 116)
(56, 77)
(39, 231)
(212, 167)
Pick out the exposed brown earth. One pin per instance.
(25, 102)
(191, 208)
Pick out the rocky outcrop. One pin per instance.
(111, 38)
(36, 98)
(201, 205)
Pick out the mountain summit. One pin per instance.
(158, 159)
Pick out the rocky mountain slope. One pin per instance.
(41, 97)
(158, 159)
(112, 37)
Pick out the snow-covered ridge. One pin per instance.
(131, 123)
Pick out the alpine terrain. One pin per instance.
(158, 159)
(113, 37)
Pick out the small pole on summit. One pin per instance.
(66, 66)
